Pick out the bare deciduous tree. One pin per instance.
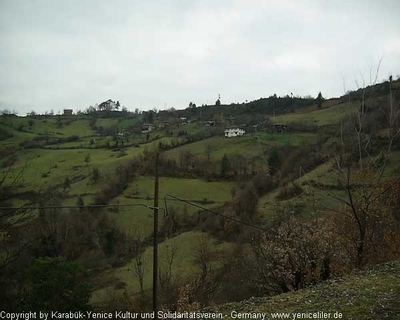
(168, 279)
(361, 186)
(204, 256)
(137, 246)
(208, 149)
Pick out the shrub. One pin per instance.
(56, 284)
(289, 191)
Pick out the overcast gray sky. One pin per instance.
(151, 54)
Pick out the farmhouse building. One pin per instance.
(163, 124)
(122, 133)
(209, 123)
(280, 128)
(147, 127)
(234, 132)
(68, 112)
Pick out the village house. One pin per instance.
(234, 132)
(279, 128)
(122, 133)
(183, 120)
(163, 124)
(147, 127)
(68, 112)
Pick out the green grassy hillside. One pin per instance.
(250, 145)
(322, 117)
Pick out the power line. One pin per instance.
(131, 205)
(217, 213)
(78, 207)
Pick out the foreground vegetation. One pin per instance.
(372, 294)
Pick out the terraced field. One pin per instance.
(248, 146)
(320, 117)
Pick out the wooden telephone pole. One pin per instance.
(155, 241)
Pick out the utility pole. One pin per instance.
(155, 243)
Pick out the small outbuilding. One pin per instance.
(68, 112)
(147, 127)
(234, 132)
(279, 128)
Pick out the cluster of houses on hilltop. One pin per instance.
(231, 130)
(237, 131)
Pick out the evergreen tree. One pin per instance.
(319, 100)
(274, 161)
(67, 183)
(56, 284)
(80, 203)
(225, 166)
(95, 175)
(87, 159)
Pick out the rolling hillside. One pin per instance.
(258, 187)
